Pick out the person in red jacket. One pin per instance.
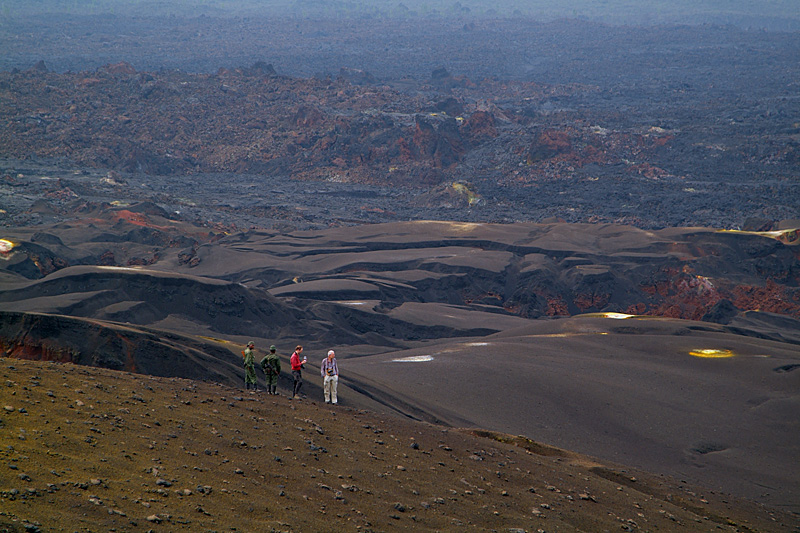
(297, 367)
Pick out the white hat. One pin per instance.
(330, 352)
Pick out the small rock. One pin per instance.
(154, 518)
(163, 483)
(400, 507)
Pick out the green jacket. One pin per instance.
(249, 357)
(271, 364)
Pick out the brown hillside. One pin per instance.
(96, 450)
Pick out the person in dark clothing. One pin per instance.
(271, 365)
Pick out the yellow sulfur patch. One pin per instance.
(711, 353)
(615, 316)
(618, 316)
(6, 246)
(790, 237)
(565, 335)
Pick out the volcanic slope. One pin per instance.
(472, 279)
(628, 391)
(93, 449)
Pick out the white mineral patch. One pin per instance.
(414, 359)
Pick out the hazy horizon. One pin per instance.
(780, 15)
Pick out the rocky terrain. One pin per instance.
(88, 449)
(577, 121)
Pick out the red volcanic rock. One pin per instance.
(307, 117)
(107, 259)
(443, 144)
(587, 301)
(556, 306)
(549, 143)
(249, 121)
(647, 170)
(772, 297)
(424, 139)
(481, 124)
(684, 295)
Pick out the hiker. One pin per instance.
(271, 365)
(297, 367)
(330, 377)
(250, 366)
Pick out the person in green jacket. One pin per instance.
(271, 365)
(250, 366)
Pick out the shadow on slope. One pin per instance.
(115, 346)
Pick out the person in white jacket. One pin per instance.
(330, 377)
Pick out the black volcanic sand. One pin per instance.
(88, 449)
(623, 390)
(626, 390)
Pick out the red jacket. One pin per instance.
(295, 361)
